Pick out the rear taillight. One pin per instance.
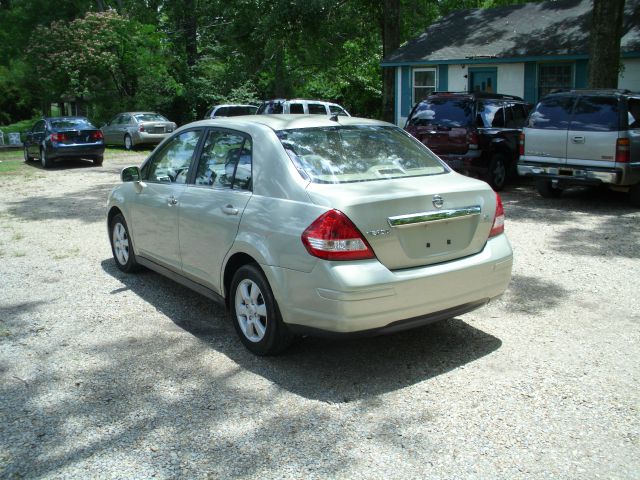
(521, 143)
(141, 128)
(332, 236)
(97, 135)
(58, 137)
(623, 150)
(473, 140)
(498, 220)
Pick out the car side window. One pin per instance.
(39, 127)
(171, 164)
(518, 116)
(226, 161)
(491, 114)
(126, 119)
(317, 109)
(633, 115)
(296, 108)
(336, 110)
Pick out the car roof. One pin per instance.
(286, 122)
(73, 117)
(595, 91)
(486, 95)
(234, 105)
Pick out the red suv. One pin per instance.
(476, 134)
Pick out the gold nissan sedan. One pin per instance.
(310, 225)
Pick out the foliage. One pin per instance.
(180, 57)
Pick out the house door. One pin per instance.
(483, 80)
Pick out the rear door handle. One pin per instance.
(577, 139)
(229, 210)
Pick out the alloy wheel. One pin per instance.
(121, 243)
(251, 310)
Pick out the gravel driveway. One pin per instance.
(106, 375)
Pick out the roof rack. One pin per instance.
(480, 95)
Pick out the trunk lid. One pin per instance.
(157, 127)
(400, 219)
(74, 137)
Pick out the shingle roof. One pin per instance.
(526, 30)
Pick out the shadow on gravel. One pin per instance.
(87, 205)
(333, 371)
(524, 203)
(532, 295)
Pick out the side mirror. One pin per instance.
(130, 174)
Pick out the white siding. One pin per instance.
(457, 81)
(511, 79)
(630, 77)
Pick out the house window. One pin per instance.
(552, 77)
(424, 82)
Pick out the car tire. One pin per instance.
(255, 314)
(634, 195)
(546, 189)
(497, 174)
(97, 161)
(27, 157)
(128, 142)
(121, 245)
(44, 159)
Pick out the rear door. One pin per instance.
(593, 131)
(155, 208)
(212, 206)
(546, 131)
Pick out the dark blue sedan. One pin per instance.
(64, 137)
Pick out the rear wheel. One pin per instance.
(44, 159)
(497, 175)
(634, 195)
(255, 314)
(97, 161)
(128, 142)
(121, 245)
(546, 189)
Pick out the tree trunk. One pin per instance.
(191, 32)
(101, 6)
(604, 49)
(390, 42)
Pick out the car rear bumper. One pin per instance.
(464, 163)
(366, 297)
(75, 150)
(146, 137)
(571, 174)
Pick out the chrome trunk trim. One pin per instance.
(414, 219)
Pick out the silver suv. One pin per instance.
(301, 107)
(583, 137)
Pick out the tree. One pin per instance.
(604, 48)
(390, 42)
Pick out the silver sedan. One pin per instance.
(308, 225)
(130, 129)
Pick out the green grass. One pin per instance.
(20, 127)
(12, 163)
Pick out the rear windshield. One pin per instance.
(596, 114)
(150, 117)
(71, 123)
(357, 154)
(270, 108)
(446, 112)
(552, 113)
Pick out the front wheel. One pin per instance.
(121, 245)
(546, 189)
(497, 175)
(255, 314)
